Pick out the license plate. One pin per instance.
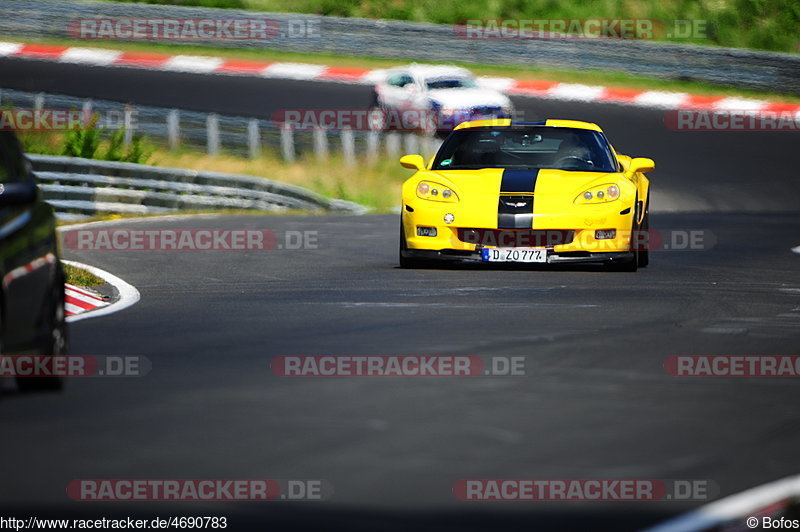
(514, 254)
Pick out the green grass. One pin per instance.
(757, 24)
(590, 77)
(80, 277)
(374, 185)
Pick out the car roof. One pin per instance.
(507, 122)
(431, 71)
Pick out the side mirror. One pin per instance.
(413, 162)
(23, 193)
(641, 164)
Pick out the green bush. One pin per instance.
(136, 152)
(82, 141)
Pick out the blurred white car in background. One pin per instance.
(433, 98)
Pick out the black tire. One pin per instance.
(644, 240)
(54, 344)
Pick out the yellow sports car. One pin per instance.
(536, 192)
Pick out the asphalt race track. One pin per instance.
(595, 402)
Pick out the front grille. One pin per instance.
(515, 212)
(525, 238)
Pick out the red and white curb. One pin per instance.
(306, 71)
(82, 304)
(79, 300)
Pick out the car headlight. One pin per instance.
(435, 192)
(599, 194)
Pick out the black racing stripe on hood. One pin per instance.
(518, 181)
(515, 205)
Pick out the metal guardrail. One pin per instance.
(238, 135)
(78, 188)
(435, 42)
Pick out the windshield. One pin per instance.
(450, 83)
(533, 147)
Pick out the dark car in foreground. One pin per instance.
(32, 320)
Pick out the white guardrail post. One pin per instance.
(86, 112)
(130, 126)
(212, 134)
(373, 146)
(173, 129)
(287, 143)
(393, 144)
(321, 144)
(348, 147)
(411, 143)
(253, 139)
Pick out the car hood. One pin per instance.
(466, 98)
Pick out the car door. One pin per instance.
(28, 251)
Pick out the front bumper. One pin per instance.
(552, 257)
(574, 233)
